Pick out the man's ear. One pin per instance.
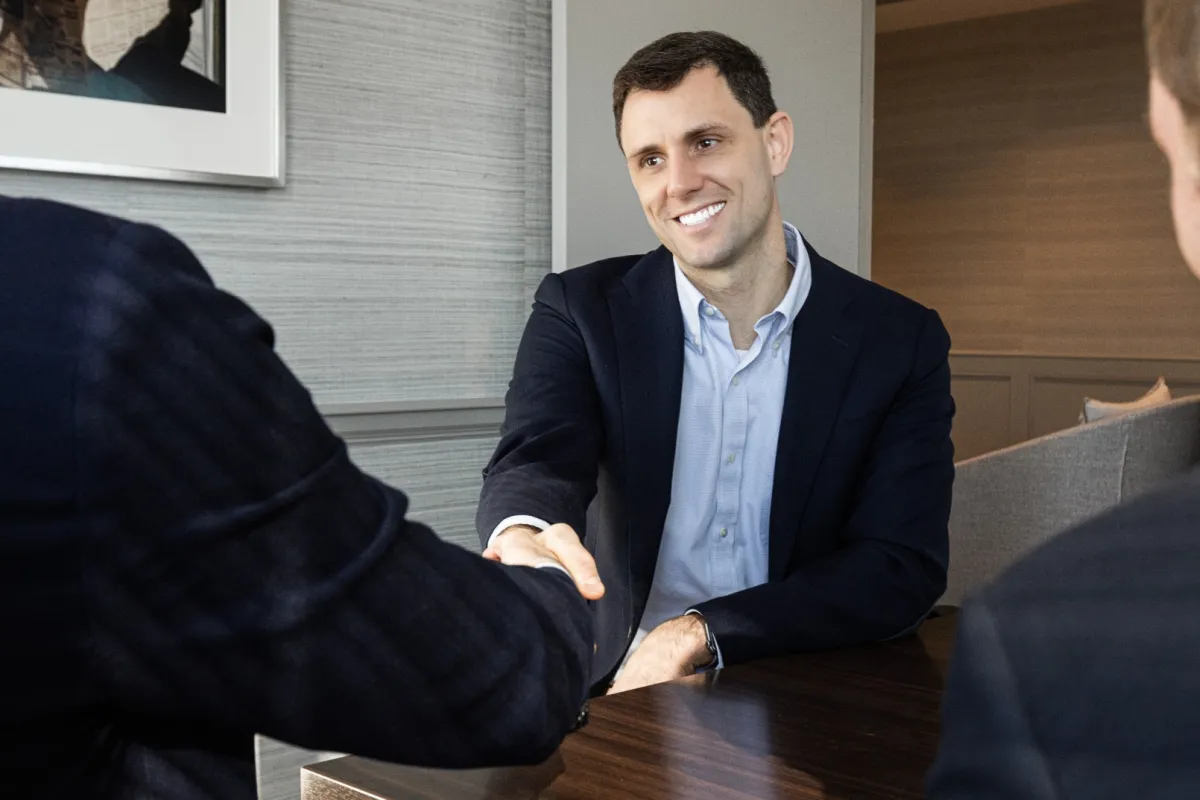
(779, 137)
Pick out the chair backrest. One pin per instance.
(1009, 501)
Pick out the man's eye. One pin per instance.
(706, 143)
(651, 161)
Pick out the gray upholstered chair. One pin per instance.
(1007, 502)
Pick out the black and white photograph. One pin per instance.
(183, 90)
(160, 52)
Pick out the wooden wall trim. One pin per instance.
(1046, 393)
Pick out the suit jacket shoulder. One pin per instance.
(1082, 658)
(596, 279)
(606, 270)
(869, 299)
(30, 222)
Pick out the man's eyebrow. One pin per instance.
(707, 127)
(642, 152)
(694, 133)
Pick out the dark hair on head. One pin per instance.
(664, 63)
(1173, 49)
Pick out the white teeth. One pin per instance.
(696, 217)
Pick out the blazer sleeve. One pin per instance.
(988, 748)
(244, 576)
(890, 568)
(549, 453)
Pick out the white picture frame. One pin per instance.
(244, 146)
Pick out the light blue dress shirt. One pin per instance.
(715, 539)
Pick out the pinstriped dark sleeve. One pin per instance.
(245, 576)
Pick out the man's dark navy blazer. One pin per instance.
(864, 465)
(188, 556)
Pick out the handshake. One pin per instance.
(557, 546)
(674, 649)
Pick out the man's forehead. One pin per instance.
(657, 117)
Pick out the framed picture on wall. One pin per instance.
(182, 90)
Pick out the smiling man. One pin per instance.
(762, 438)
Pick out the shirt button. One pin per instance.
(724, 532)
(731, 458)
(776, 345)
(709, 310)
(696, 340)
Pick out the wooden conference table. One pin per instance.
(854, 723)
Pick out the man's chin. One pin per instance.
(704, 259)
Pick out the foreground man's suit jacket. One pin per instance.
(187, 556)
(1076, 675)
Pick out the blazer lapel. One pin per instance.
(825, 345)
(648, 328)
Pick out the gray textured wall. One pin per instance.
(398, 264)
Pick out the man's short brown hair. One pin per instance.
(664, 63)
(1173, 48)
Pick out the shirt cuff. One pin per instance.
(720, 662)
(520, 519)
(558, 567)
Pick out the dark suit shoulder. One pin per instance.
(599, 274)
(72, 246)
(1096, 631)
(868, 294)
(578, 290)
(894, 323)
(35, 218)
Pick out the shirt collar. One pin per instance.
(691, 301)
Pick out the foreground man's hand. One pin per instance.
(559, 545)
(674, 649)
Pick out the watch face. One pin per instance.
(582, 719)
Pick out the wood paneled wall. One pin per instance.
(1017, 189)
(1006, 399)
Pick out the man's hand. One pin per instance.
(522, 545)
(674, 649)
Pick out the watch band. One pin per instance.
(710, 641)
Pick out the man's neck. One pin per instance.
(749, 289)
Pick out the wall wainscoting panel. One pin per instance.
(412, 422)
(984, 419)
(1005, 399)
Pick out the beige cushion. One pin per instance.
(1098, 409)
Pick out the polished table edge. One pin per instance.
(316, 786)
(337, 779)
